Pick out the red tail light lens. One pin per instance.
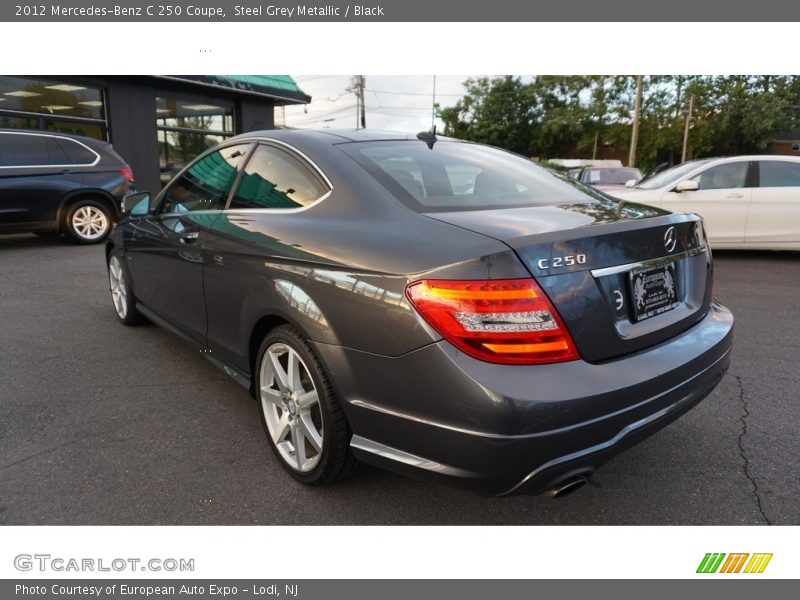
(508, 321)
(127, 173)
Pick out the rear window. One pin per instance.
(460, 176)
(609, 176)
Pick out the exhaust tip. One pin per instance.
(569, 485)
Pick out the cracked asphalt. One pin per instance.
(102, 424)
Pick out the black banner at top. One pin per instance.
(399, 11)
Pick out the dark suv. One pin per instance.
(58, 183)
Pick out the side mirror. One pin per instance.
(137, 204)
(630, 183)
(687, 186)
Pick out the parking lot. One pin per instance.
(103, 424)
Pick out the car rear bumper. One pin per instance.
(520, 429)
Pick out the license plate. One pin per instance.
(653, 291)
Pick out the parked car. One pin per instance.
(750, 202)
(608, 178)
(59, 183)
(510, 333)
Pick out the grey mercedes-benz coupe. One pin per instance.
(435, 307)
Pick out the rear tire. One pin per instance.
(302, 417)
(121, 294)
(88, 222)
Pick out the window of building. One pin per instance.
(188, 127)
(27, 103)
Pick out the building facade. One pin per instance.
(156, 123)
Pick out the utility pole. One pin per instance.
(433, 104)
(686, 130)
(357, 84)
(637, 108)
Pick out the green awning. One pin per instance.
(282, 89)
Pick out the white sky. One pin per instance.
(396, 102)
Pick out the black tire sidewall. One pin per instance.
(290, 337)
(73, 235)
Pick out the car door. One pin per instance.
(249, 250)
(775, 210)
(35, 174)
(165, 252)
(722, 199)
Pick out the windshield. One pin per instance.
(670, 176)
(462, 176)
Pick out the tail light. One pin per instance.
(127, 174)
(508, 321)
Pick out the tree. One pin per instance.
(564, 116)
(499, 112)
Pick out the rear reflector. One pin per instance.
(127, 173)
(508, 321)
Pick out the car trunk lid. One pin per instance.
(622, 277)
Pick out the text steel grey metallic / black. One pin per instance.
(438, 308)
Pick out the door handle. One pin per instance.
(189, 238)
(735, 196)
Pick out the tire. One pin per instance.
(88, 222)
(319, 428)
(121, 294)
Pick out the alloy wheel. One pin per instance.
(292, 411)
(119, 291)
(89, 222)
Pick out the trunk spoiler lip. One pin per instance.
(598, 229)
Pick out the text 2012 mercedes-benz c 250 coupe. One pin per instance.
(435, 307)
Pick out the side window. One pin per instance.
(57, 154)
(23, 150)
(77, 154)
(775, 173)
(274, 178)
(205, 185)
(725, 176)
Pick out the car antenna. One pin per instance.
(429, 137)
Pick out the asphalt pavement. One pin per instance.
(104, 424)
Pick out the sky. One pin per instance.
(399, 103)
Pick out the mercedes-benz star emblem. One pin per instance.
(670, 239)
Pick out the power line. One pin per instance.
(427, 95)
(301, 78)
(319, 116)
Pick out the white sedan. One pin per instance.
(746, 201)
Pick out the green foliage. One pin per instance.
(565, 116)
